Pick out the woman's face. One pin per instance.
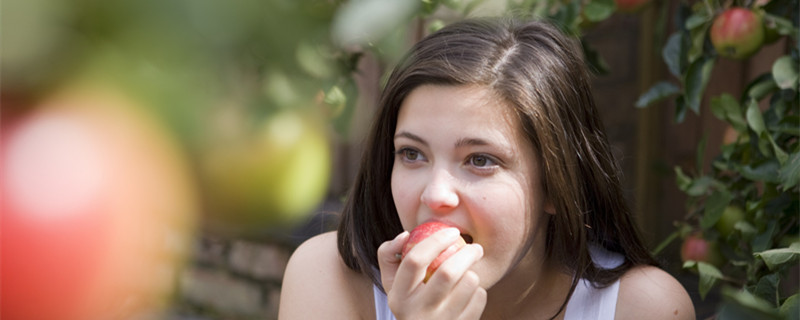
(460, 158)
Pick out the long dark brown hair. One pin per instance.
(541, 74)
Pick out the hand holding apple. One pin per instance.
(453, 292)
(426, 230)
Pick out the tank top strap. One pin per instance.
(382, 311)
(590, 302)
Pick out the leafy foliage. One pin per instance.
(756, 173)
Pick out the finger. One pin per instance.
(414, 265)
(473, 308)
(453, 269)
(388, 260)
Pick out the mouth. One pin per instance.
(467, 238)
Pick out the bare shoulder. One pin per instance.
(317, 284)
(647, 292)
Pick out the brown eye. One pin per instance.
(479, 161)
(411, 154)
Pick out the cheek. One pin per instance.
(405, 199)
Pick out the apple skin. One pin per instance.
(737, 33)
(426, 230)
(696, 248)
(98, 209)
(728, 220)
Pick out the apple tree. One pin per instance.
(746, 207)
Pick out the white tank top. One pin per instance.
(586, 302)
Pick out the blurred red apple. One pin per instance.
(696, 248)
(98, 210)
(426, 230)
(737, 33)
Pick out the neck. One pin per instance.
(533, 289)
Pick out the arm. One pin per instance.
(318, 285)
(648, 292)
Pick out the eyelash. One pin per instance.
(492, 162)
(403, 153)
(491, 165)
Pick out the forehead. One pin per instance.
(458, 107)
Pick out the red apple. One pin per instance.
(696, 248)
(630, 5)
(737, 33)
(426, 230)
(97, 212)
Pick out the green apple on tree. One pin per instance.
(727, 222)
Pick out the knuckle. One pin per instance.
(415, 261)
(447, 274)
(471, 279)
(384, 247)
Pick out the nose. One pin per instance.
(440, 193)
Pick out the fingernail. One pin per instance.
(479, 247)
(399, 236)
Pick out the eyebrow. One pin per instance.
(409, 135)
(471, 142)
(460, 143)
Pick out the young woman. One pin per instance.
(488, 126)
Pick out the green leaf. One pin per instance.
(781, 25)
(767, 288)
(763, 240)
(696, 80)
(790, 309)
(761, 86)
(779, 153)
(680, 108)
(741, 304)
(726, 108)
(775, 258)
(682, 180)
(784, 70)
(657, 92)
(599, 10)
(766, 171)
(699, 186)
(672, 53)
(747, 229)
(696, 20)
(698, 36)
(709, 274)
(789, 173)
(754, 117)
(700, 154)
(715, 206)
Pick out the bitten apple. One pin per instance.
(425, 230)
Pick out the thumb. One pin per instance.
(388, 259)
